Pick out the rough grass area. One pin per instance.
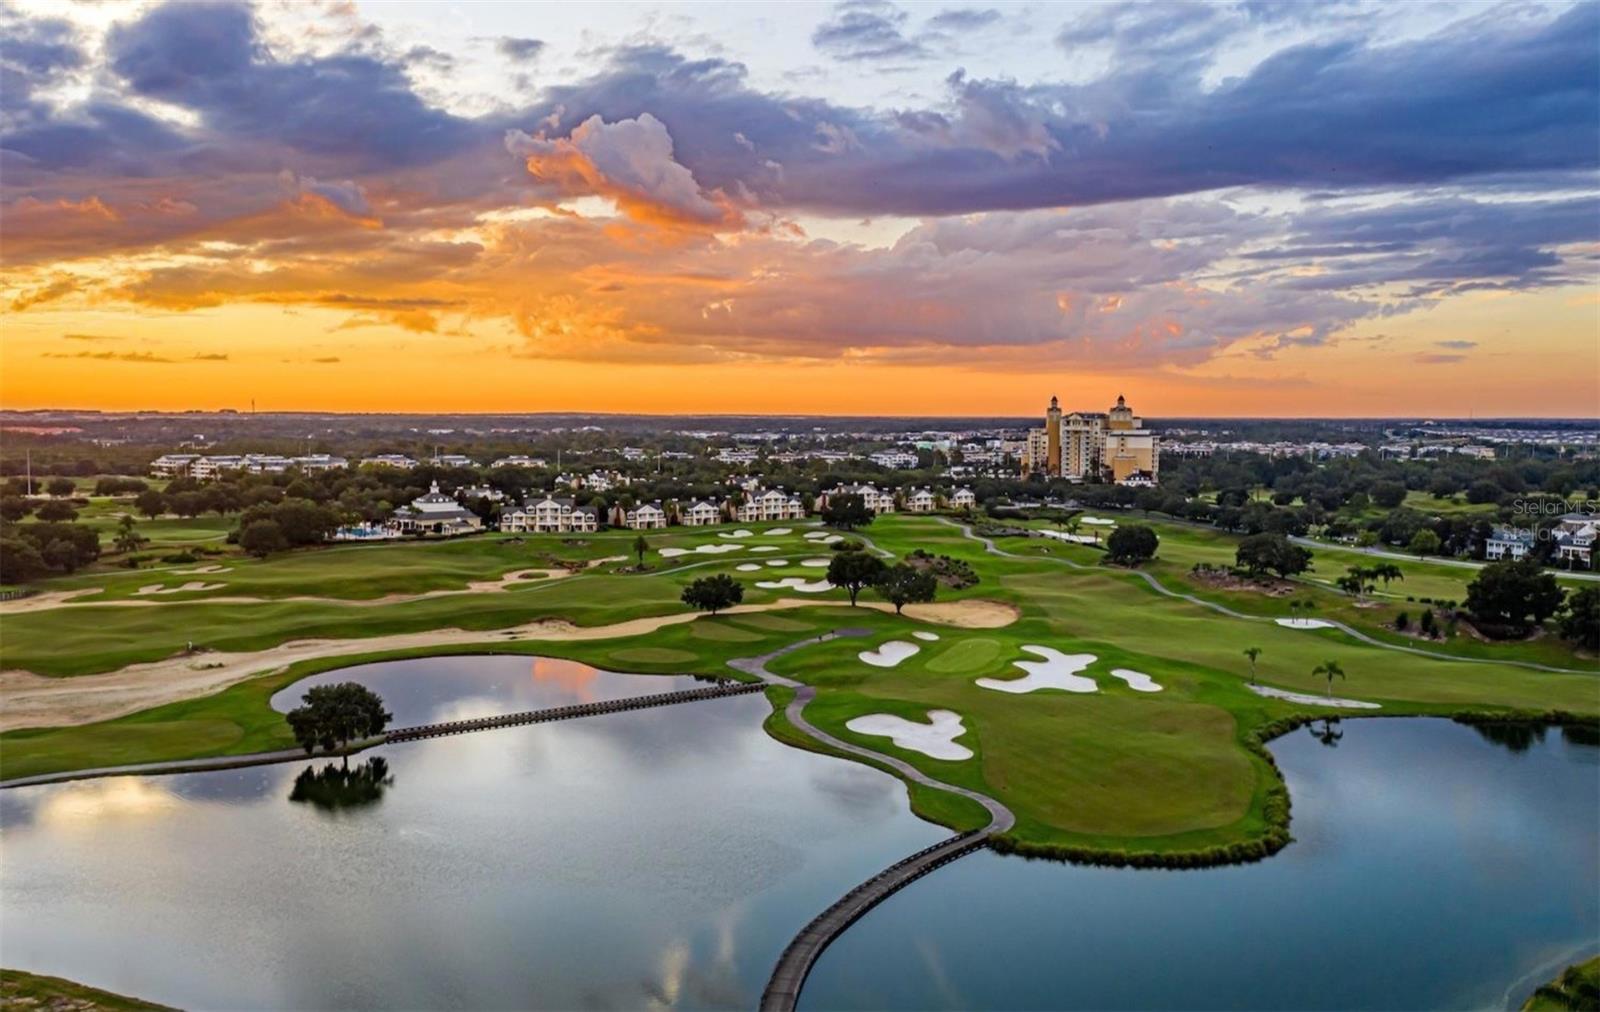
(20, 990)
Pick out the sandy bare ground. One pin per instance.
(30, 700)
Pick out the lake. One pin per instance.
(664, 857)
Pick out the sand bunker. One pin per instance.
(201, 570)
(1305, 697)
(777, 562)
(1098, 521)
(765, 548)
(973, 613)
(748, 567)
(890, 654)
(816, 563)
(924, 635)
(799, 583)
(933, 739)
(672, 553)
(193, 586)
(1056, 671)
(774, 532)
(1304, 623)
(1077, 539)
(1138, 681)
(823, 537)
(740, 533)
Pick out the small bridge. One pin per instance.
(783, 989)
(421, 731)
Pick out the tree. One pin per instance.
(1259, 553)
(1252, 653)
(1329, 670)
(151, 503)
(853, 571)
(640, 546)
(335, 715)
(14, 508)
(1425, 624)
(1132, 544)
(1387, 571)
(901, 585)
(56, 511)
(846, 512)
(1387, 494)
(1424, 542)
(262, 537)
(1512, 595)
(127, 539)
(1580, 619)
(713, 593)
(20, 561)
(61, 487)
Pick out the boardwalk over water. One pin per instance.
(576, 710)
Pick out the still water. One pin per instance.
(664, 857)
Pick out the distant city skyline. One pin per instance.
(1216, 210)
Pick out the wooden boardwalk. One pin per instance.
(789, 976)
(421, 731)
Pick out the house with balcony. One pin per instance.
(963, 498)
(643, 517)
(1575, 535)
(921, 500)
(551, 515)
(877, 500)
(770, 504)
(701, 513)
(1508, 543)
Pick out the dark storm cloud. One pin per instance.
(866, 30)
(519, 50)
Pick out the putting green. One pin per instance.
(651, 655)
(978, 654)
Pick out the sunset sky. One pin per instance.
(1252, 208)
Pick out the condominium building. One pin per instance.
(1114, 446)
(876, 500)
(963, 498)
(551, 515)
(643, 517)
(770, 504)
(701, 513)
(921, 500)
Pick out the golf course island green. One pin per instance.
(1121, 714)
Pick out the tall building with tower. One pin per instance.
(1092, 446)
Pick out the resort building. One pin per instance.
(1575, 536)
(451, 460)
(1508, 543)
(921, 500)
(770, 504)
(1114, 446)
(435, 513)
(963, 498)
(398, 460)
(876, 500)
(701, 513)
(519, 460)
(898, 459)
(643, 517)
(551, 516)
(481, 491)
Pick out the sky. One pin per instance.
(1254, 207)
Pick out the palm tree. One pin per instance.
(1329, 670)
(1073, 525)
(640, 546)
(1387, 571)
(1252, 653)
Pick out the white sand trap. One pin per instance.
(192, 586)
(1304, 623)
(775, 532)
(815, 535)
(672, 553)
(740, 533)
(765, 548)
(777, 562)
(815, 563)
(1098, 521)
(1077, 539)
(799, 583)
(199, 570)
(924, 635)
(1056, 671)
(1138, 681)
(890, 654)
(934, 739)
(1306, 697)
(748, 567)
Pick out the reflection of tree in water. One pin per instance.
(1581, 734)
(1516, 737)
(1329, 733)
(339, 786)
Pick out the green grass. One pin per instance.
(1175, 772)
(1578, 987)
(21, 990)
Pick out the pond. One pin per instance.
(664, 857)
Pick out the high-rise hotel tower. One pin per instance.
(1114, 446)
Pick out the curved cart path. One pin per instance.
(789, 976)
(1222, 609)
